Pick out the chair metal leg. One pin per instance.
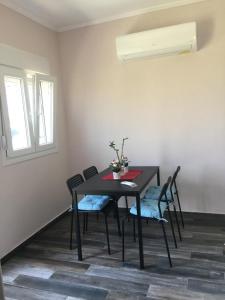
(117, 217)
(178, 225)
(134, 230)
(107, 233)
(71, 230)
(181, 214)
(172, 227)
(166, 242)
(84, 223)
(127, 209)
(123, 248)
(78, 238)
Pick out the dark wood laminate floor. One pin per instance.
(47, 270)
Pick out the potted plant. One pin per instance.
(122, 162)
(115, 166)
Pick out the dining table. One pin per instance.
(100, 184)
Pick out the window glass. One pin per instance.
(30, 86)
(45, 112)
(17, 113)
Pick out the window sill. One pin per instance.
(6, 161)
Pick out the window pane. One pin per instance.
(30, 85)
(17, 113)
(46, 113)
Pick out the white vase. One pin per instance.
(116, 175)
(125, 170)
(122, 172)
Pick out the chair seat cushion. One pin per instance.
(154, 191)
(149, 209)
(93, 202)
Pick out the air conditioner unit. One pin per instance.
(172, 40)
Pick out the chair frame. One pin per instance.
(174, 184)
(162, 194)
(88, 173)
(171, 186)
(76, 211)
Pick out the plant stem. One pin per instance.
(122, 150)
(117, 153)
(124, 139)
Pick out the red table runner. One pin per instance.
(131, 174)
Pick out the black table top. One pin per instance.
(98, 186)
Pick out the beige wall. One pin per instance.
(33, 192)
(172, 109)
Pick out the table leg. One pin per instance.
(158, 177)
(77, 222)
(141, 254)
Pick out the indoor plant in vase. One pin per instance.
(122, 162)
(116, 168)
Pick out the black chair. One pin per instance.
(154, 210)
(92, 171)
(89, 204)
(154, 191)
(89, 173)
(174, 191)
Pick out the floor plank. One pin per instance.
(62, 287)
(16, 292)
(137, 288)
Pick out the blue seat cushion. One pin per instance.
(154, 191)
(149, 209)
(93, 202)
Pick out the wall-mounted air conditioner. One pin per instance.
(172, 40)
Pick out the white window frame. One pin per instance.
(39, 78)
(10, 156)
(5, 71)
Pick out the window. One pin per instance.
(27, 114)
(45, 103)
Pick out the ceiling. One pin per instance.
(62, 15)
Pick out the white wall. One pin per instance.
(33, 192)
(172, 109)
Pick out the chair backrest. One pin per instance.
(90, 172)
(173, 181)
(74, 182)
(163, 196)
(164, 190)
